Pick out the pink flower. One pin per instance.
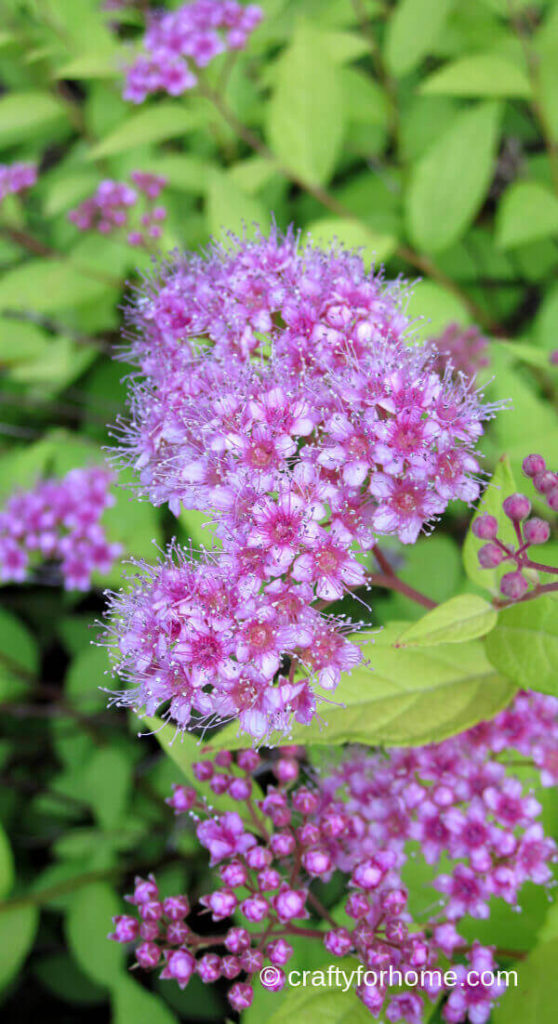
(224, 837)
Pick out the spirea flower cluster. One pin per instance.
(116, 206)
(476, 824)
(514, 585)
(177, 42)
(59, 521)
(16, 177)
(280, 391)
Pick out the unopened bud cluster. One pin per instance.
(117, 207)
(177, 42)
(16, 177)
(58, 522)
(529, 531)
(361, 818)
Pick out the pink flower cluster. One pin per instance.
(59, 521)
(279, 390)
(16, 177)
(191, 36)
(517, 507)
(108, 210)
(455, 798)
(465, 348)
(218, 650)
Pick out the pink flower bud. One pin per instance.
(367, 875)
(485, 527)
(514, 585)
(536, 531)
(290, 903)
(148, 955)
(317, 862)
(338, 942)
(230, 967)
(237, 940)
(183, 799)
(209, 968)
(125, 928)
(490, 556)
(516, 507)
(533, 465)
(279, 952)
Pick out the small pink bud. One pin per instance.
(485, 527)
(533, 465)
(545, 481)
(536, 531)
(490, 556)
(513, 585)
(517, 507)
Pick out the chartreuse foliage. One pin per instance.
(423, 131)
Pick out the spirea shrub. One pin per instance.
(280, 390)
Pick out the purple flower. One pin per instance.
(194, 34)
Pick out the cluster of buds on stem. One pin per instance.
(285, 827)
(16, 177)
(108, 210)
(58, 522)
(516, 584)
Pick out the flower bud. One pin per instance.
(490, 556)
(516, 507)
(533, 464)
(338, 942)
(513, 585)
(279, 952)
(536, 531)
(485, 527)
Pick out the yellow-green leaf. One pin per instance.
(462, 618)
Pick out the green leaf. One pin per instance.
(500, 486)
(229, 208)
(524, 644)
(6, 865)
(87, 673)
(93, 64)
(432, 308)
(482, 75)
(22, 112)
(47, 286)
(133, 1003)
(462, 618)
(406, 697)
(17, 931)
(184, 173)
(165, 120)
(87, 925)
(306, 113)
(320, 1001)
(528, 212)
(60, 975)
(19, 660)
(352, 234)
(449, 183)
(534, 999)
(107, 785)
(413, 29)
